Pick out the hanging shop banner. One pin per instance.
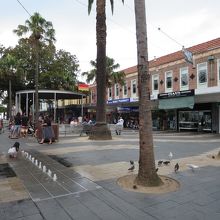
(177, 94)
(114, 101)
(176, 103)
(188, 56)
(83, 87)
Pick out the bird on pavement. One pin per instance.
(132, 165)
(131, 168)
(170, 156)
(166, 162)
(193, 167)
(176, 167)
(160, 162)
(131, 162)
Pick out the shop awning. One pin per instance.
(175, 103)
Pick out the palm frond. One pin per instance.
(112, 5)
(90, 2)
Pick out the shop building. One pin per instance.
(185, 93)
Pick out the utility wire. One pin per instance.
(110, 20)
(159, 29)
(24, 7)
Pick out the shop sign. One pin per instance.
(114, 101)
(177, 94)
(123, 109)
(134, 99)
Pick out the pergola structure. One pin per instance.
(46, 94)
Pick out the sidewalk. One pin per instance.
(75, 196)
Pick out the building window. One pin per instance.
(202, 73)
(110, 92)
(155, 82)
(184, 80)
(133, 86)
(169, 78)
(116, 90)
(125, 89)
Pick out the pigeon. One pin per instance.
(131, 168)
(160, 162)
(131, 162)
(176, 167)
(166, 162)
(193, 167)
(170, 156)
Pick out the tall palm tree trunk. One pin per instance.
(147, 175)
(101, 61)
(36, 81)
(100, 130)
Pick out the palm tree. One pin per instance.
(147, 175)
(8, 65)
(112, 76)
(101, 130)
(40, 31)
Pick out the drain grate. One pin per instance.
(6, 171)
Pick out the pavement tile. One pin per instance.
(48, 204)
(38, 192)
(120, 205)
(81, 212)
(34, 217)
(67, 201)
(203, 200)
(55, 189)
(87, 184)
(55, 215)
(73, 186)
(216, 194)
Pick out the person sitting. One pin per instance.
(13, 151)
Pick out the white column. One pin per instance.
(55, 106)
(16, 102)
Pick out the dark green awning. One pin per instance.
(175, 103)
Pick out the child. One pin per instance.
(13, 151)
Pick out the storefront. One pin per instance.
(181, 113)
(195, 120)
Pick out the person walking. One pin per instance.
(119, 126)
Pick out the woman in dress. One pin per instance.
(47, 131)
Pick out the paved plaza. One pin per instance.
(87, 173)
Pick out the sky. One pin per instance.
(182, 23)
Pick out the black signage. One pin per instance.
(177, 94)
